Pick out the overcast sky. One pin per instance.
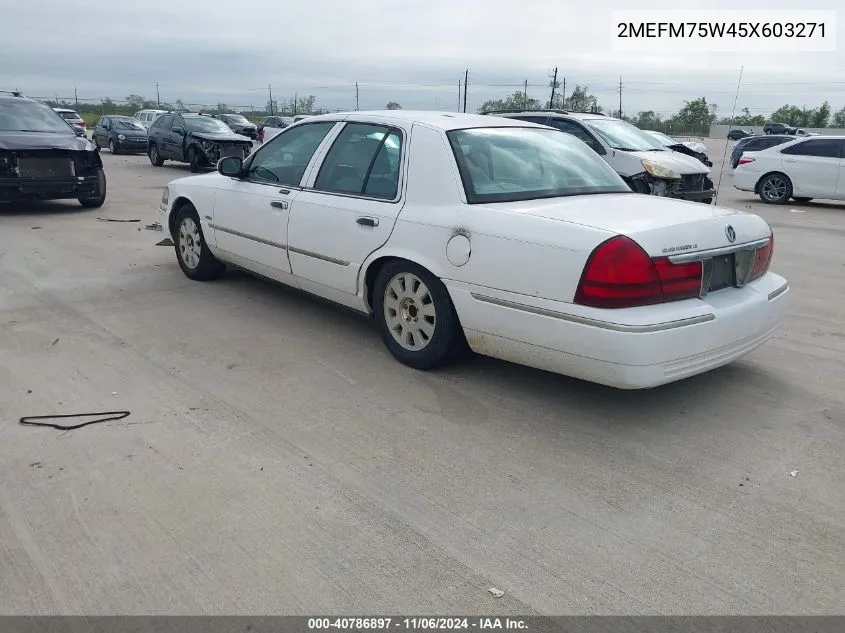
(407, 51)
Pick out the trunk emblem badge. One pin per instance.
(729, 231)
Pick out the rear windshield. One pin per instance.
(505, 164)
(127, 124)
(30, 116)
(73, 116)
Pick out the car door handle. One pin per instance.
(790, 160)
(284, 192)
(367, 221)
(279, 204)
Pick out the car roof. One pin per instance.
(431, 118)
(552, 114)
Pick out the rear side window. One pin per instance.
(822, 148)
(364, 160)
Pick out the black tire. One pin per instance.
(193, 160)
(707, 200)
(203, 266)
(447, 342)
(99, 197)
(154, 156)
(775, 188)
(113, 147)
(802, 200)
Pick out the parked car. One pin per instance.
(43, 158)
(778, 128)
(428, 222)
(73, 119)
(756, 143)
(197, 139)
(735, 135)
(239, 124)
(803, 132)
(690, 148)
(801, 170)
(645, 165)
(146, 117)
(271, 126)
(121, 134)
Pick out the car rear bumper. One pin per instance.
(47, 188)
(132, 146)
(641, 348)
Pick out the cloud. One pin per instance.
(413, 52)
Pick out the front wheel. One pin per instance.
(775, 189)
(155, 156)
(193, 160)
(192, 252)
(113, 147)
(416, 318)
(98, 198)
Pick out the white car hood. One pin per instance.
(681, 163)
(696, 146)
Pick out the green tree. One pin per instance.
(789, 114)
(839, 118)
(515, 101)
(392, 105)
(696, 113)
(820, 117)
(581, 101)
(135, 102)
(647, 120)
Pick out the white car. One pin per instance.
(667, 141)
(801, 170)
(512, 239)
(643, 162)
(71, 117)
(147, 117)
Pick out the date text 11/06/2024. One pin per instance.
(421, 623)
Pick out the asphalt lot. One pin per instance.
(278, 460)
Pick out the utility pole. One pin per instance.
(563, 94)
(554, 85)
(620, 97)
(270, 88)
(356, 96)
(158, 96)
(76, 97)
(459, 95)
(466, 85)
(295, 103)
(525, 95)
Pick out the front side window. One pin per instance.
(284, 158)
(510, 164)
(364, 160)
(822, 148)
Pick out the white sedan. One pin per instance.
(459, 231)
(803, 169)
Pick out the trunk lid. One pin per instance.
(662, 226)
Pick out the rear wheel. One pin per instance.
(98, 198)
(416, 318)
(775, 189)
(192, 252)
(155, 157)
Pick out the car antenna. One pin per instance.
(733, 116)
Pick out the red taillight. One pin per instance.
(762, 259)
(620, 274)
(744, 161)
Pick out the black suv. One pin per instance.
(120, 134)
(755, 144)
(778, 128)
(239, 124)
(197, 139)
(43, 158)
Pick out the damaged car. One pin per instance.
(695, 149)
(194, 138)
(239, 124)
(43, 158)
(644, 164)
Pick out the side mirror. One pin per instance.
(230, 166)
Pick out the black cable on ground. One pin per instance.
(113, 415)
